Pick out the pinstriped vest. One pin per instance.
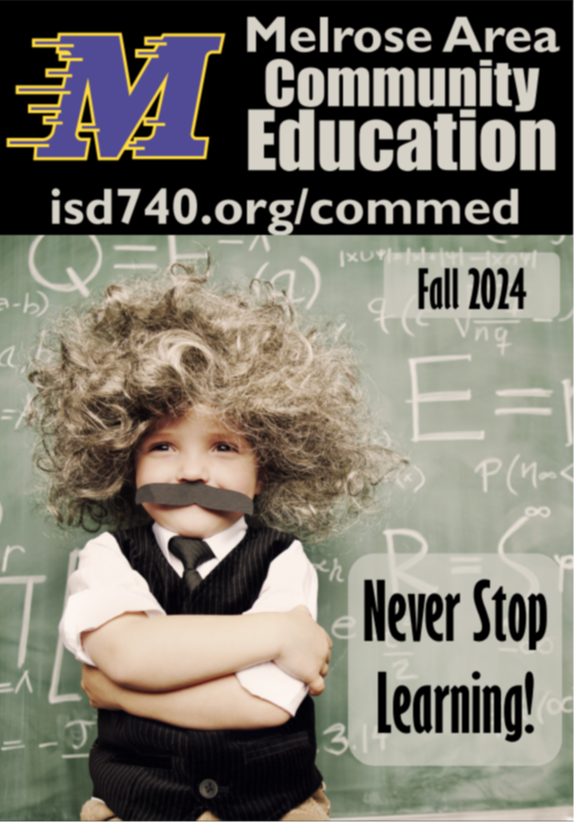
(149, 770)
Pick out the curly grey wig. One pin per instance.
(157, 347)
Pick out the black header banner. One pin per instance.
(280, 118)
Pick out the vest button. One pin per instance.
(208, 788)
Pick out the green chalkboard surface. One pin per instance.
(480, 404)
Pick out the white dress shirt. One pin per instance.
(105, 586)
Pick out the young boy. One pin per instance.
(205, 713)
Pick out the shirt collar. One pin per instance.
(221, 543)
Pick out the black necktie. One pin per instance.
(192, 553)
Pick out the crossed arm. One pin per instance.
(180, 668)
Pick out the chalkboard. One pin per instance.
(435, 382)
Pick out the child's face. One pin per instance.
(196, 447)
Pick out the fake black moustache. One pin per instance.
(184, 494)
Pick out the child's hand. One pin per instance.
(305, 650)
(102, 692)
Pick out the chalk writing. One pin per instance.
(462, 564)
(530, 512)
(7, 358)
(342, 628)
(10, 745)
(567, 398)
(76, 283)
(565, 563)
(418, 398)
(194, 254)
(29, 307)
(537, 410)
(379, 737)
(53, 696)
(135, 248)
(410, 476)
(7, 552)
(339, 738)
(290, 277)
(28, 581)
(347, 257)
(335, 571)
(526, 470)
(80, 728)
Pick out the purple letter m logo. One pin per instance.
(96, 74)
